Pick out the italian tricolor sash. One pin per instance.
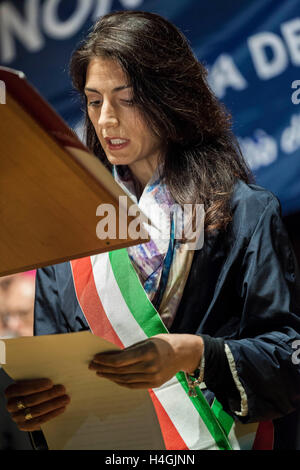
(117, 308)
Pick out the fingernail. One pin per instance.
(60, 387)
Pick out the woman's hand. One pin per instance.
(34, 402)
(152, 362)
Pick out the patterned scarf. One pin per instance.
(163, 263)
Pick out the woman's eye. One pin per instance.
(128, 102)
(94, 103)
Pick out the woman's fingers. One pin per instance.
(150, 363)
(33, 402)
(40, 410)
(35, 399)
(134, 354)
(147, 367)
(28, 387)
(131, 379)
(138, 366)
(35, 424)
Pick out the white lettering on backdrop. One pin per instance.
(37, 20)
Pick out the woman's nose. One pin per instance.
(108, 116)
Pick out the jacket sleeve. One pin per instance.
(263, 359)
(48, 317)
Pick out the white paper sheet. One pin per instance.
(101, 415)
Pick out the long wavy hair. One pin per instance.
(202, 159)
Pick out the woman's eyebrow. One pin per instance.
(118, 88)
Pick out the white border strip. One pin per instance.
(244, 399)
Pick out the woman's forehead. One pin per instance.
(105, 72)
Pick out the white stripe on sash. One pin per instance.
(115, 307)
(185, 417)
(171, 395)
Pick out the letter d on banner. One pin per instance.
(2, 92)
(2, 352)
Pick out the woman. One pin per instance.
(231, 307)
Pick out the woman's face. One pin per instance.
(121, 129)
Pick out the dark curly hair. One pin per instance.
(202, 159)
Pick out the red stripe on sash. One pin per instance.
(90, 302)
(172, 438)
(264, 439)
(100, 325)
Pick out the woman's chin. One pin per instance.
(115, 160)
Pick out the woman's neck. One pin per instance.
(143, 170)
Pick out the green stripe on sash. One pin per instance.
(224, 418)
(149, 320)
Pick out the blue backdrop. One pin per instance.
(251, 49)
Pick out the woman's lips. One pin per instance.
(116, 143)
